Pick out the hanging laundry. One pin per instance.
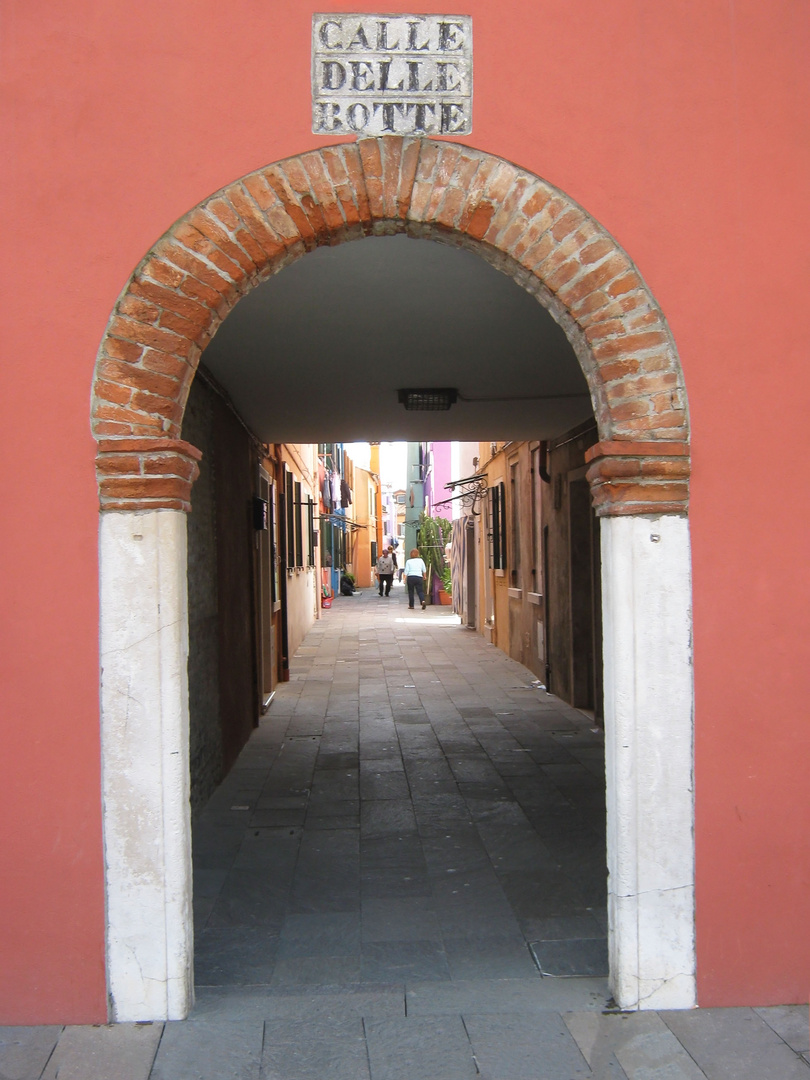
(326, 491)
(345, 494)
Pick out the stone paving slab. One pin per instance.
(311, 1003)
(400, 919)
(316, 971)
(325, 1049)
(790, 1022)
(493, 956)
(24, 1051)
(389, 961)
(506, 996)
(209, 1050)
(524, 1047)
(640, 1043)
(420, 1048)
(107, 1052)
(235, 956)
(735, 1044)
(330, 934)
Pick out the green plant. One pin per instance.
(433, 534)
(447, 583)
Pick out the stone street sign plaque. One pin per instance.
(391, 74)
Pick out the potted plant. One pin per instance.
(446, 588)
(432, 536)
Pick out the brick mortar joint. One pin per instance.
(166, 253)
(616, 448)
(145, 446)
(420, 143)
(229, 232)
(111, 504)
(299, 193)
(643, 509)
(262, 215)
(616, 483)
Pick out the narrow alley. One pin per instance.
(411, 811)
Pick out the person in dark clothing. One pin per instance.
(385, 573)
(346, 585)
(415, 573)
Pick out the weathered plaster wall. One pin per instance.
(572, 602)
(363, 511)
(522, 614)
(223, 698)
(236, 466)
(205, 756)
(300, 605)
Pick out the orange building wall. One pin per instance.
(681, 128)
(364, 512)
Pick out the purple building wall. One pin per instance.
(440, 474)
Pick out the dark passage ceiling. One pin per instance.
(318, 352)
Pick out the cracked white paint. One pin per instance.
(646, 582)
(145, 774)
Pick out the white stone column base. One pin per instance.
(646, 584)
(145, 770)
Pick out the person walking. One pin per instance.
(415, 571)
(385, 573)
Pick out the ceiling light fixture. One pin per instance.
(432, 399)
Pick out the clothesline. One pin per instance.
(339, 519)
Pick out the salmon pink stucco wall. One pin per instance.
(682, 128)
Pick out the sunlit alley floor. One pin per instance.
(413, 835)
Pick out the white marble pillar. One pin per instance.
(646, 583)
(145, 770)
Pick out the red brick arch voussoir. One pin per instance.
(192, 278)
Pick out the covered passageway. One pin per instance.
(312, 292)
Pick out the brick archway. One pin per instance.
(639, 476)
(193, 277)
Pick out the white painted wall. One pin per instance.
(301, 601)
(647, 625)
(145, 773)
(462, 455)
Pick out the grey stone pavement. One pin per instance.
(412, 833)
